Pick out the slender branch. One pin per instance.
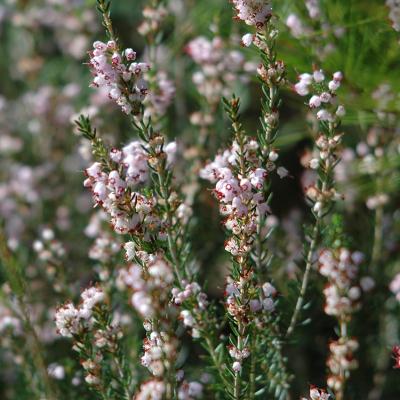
(304, 284)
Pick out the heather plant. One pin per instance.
(198, 200)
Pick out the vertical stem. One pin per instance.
(237, 381)
(343, 335)
(172, 245)
(252, 378)
(378, 237)
(304, 284)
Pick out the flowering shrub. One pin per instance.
(213, 215)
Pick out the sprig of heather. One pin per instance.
(98, 342)
(271, 72)
(134, 185)
(161, 87)
(239, 181)
(116, 70)
(343, 294)
(272, 76)
(323, 194)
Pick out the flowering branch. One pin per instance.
(323, 195)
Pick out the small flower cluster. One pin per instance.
(153, 389)
(240, 196)
(313, 8)
(394, 13)
(324, 94)
(190, 390)
(119, 74)
(395, 286)
(253, 12)
(241, 309)
(264, 302)
(151, 284)
(274, 74)
(71, 320)
(159, 352)
(104, 248)
(326, 154)
(112, 188)
(238, 356)
(296, 26)
(160, 96)
(153, 18)
(396, 356)
(8, 322)
(341, 361)
(192, 293)
(220, 68)
(340, 267)
(95, 337)
(48, 248)
(317, 394)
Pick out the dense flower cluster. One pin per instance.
(112, 189)
(120, 74)
(394, 13)
(70, 320)
(323, 94)
(342, 293)
(220, 68)
(253, 12)
(159, 352)
(150, 284)
(191, 293)
(153, 389)
(240, 196)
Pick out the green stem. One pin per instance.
(252, 378)
(304, 284)
(378, 237)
